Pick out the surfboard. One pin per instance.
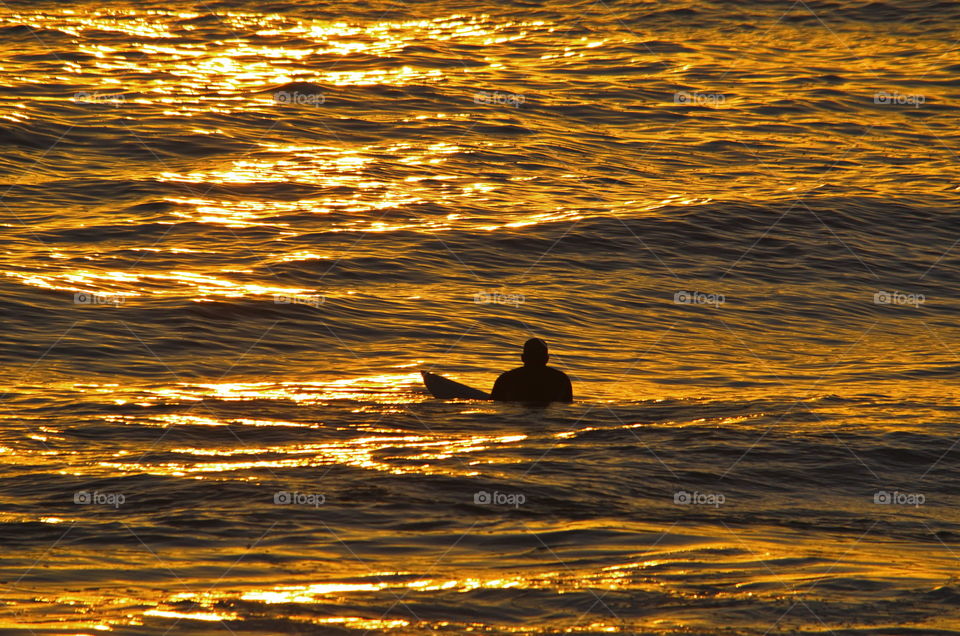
(447, 389)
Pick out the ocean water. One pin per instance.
(233, 233)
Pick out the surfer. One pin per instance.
(534, 381)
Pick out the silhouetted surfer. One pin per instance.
(534, 381)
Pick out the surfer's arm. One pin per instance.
(567, 390)
(499, 389)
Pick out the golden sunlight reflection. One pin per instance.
(205, 172)
(116, 287)
(318, 165)
(737, 566)
(234, 67)
(195, 616)
(397, 454)
(315, 592)
(125, 22)
(374, 448)
(383, 388)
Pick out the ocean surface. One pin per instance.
(232, 234)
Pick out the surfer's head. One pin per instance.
(535, 352)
